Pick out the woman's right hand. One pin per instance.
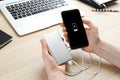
(92, 34)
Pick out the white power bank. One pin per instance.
(57, 48)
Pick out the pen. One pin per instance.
(105, 10)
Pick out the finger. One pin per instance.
(63, 29)
(87, 28)
(89, 23)
(61, 24)
(63, 68)
(44, 49)
(87, 31)
(65, 36)
(44, 46)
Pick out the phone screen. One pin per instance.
(75, 29)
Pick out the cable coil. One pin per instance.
(73, 68)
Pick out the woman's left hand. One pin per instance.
(54, 71)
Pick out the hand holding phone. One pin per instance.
(75, 29)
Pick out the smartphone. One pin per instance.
(74, 26)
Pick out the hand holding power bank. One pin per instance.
(57, 48)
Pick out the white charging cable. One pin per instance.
(90, 65)
(75, 68)
(78, 68)
(98, 70)
(83, 62)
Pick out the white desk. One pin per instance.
(21, 59)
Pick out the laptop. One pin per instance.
(27, 16)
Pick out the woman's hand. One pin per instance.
(54, 71)
(92, 34)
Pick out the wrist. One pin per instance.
(58, 75)
(98, 46)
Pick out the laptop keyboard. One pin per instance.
(28, 8)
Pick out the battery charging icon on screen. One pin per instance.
(75, 27)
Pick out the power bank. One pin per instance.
(57, 47)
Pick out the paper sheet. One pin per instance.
(101, 1)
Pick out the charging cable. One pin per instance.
(98, 65)
(84, 67)
(74, 68)
(98, 69)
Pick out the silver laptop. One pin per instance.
(27, 16)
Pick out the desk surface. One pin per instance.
(21, 59)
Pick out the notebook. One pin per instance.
(98, 4)
(102, 1)
(27, 16)
(4, 38)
